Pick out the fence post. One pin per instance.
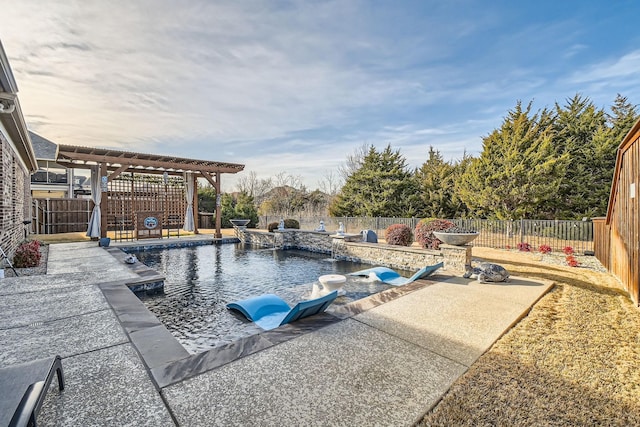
(522, 230)
(48, 218)
(89, 210)
(36, 222)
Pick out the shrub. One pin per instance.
(572, 261)
(27, 255)
(568, 250)
(288, 223)
(545, 249)
(398, 234)
(291, 223)
(425, 229)
(524, 247)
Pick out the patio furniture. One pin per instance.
(369, 236)
(7, 260)
(394, 278)
(270, 311)
(23, 388)
(332, 282)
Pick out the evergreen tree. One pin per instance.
(227, 210)
(577, 124)
(436, 179)
(206, 198)
(245, 208)
(381, 186)
(606, 141)
(517, 174)
(622, 118)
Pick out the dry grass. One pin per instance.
(572, 361)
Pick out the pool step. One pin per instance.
(152, 283)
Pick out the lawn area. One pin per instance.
(572, 361)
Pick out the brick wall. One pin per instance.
(15, 198)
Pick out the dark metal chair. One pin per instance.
(23, 388)
(369, 236)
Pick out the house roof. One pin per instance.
(44, 149)
(14, 122)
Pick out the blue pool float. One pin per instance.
(270, 311)
(394, 278)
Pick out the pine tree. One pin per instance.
(605, 145)
(437, 187)
(381, 186)
(583, 136)
(245, 208)
(622, 118)
(517, 174)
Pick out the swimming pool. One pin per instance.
(201, 280)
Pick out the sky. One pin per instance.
(294, 87)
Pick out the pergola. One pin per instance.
(109, 164)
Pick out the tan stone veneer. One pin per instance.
(351, 248)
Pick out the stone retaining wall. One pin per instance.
(260, 238)
(397, 257)
(346, 248)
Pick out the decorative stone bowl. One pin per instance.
(240, 222)
(455, 239)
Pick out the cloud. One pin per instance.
(625, 67)
(292, 85)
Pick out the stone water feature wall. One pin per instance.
(397, 257)
(351, 248)
(260, 238)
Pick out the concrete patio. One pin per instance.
(384, 364)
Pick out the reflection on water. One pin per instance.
(201, 280)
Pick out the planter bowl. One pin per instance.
(240, 222)
(455, 239)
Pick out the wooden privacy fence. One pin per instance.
(52, 216)
(505, 234)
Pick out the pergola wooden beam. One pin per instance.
(116, 173)
(72, 155)
(117, 161)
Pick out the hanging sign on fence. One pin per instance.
(104, 183)
(150, 222)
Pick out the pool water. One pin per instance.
(201, 280)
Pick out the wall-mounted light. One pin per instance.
(7, 102)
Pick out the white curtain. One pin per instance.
(96, 195)
(188, 194)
